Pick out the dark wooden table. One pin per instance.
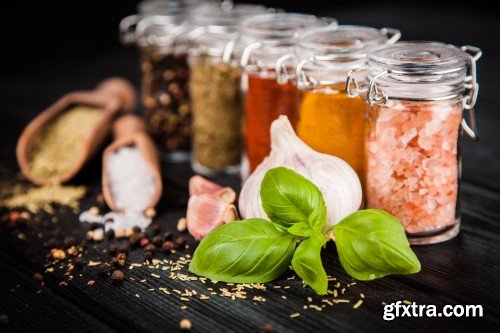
(464, 270)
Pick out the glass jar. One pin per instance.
(162, 40)
(214, 86)
(269, 37)
(329, 121)
(416, 93)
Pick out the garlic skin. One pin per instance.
(206, 212)
(336, 180)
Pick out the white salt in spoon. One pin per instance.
(131, 131)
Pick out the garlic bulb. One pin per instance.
(336, 180)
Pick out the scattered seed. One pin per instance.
(93, 263)
(58, 254)
(294, 315)
(357, 304)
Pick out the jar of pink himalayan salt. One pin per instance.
(416, 94)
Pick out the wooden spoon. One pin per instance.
(130, 130)
(112, 96)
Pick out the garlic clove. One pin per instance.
(206, 212)
(336, 180)
(227, 194)
(199, 185)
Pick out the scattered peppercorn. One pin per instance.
(117, 275)
(169, 234)
(110, 234)
(102, 269)
(155, 229)
(267, 328)
(124, 247)
(79, 262)
(157, 240)
(137, 229)
(112, 248)
(51, 243)
(73, 251)
(148, 256)
(168, 245)
(185, 324)
(38, 277)
(95, 225)
(135, 239)
(58, 254)
(69, 241)
(150, 248)
(180, 241)
(4, 319)
(144, 242)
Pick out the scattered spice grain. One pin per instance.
(185, 324)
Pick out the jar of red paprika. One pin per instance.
(269, 37)
(416, 94)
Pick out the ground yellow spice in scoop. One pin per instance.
(61, 140)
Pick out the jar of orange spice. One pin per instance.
(329, 121)
(416, 93)
(269, 37)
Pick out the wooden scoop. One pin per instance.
(112, 96)
(130, 130)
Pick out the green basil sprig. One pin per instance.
(371, 243)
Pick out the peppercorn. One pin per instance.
(150, 248)
(267, 328)
(4, 319)
(117, 275)
(168, 246)
(135, 239)
(185, 324)
(51, 243)
(169, 234)
(95, 225)
(38, 277)
(102, 269)
(155, 229)
(79, 262)
(110, 234)
(144, 242)
(112, 248)
(148, 256)
(58, 254)
(137, 230)
(180, 241)
(157, 240)
(124, 247)
(69, 241)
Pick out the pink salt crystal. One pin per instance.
(412, 168)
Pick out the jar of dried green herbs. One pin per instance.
(162, 40)
(215, 87)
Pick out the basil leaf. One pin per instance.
(287, 197)
(317, 219)
(372, 243)
(248, 251)
(301, 229)
(307, 263)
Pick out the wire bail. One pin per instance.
(302, 80)
(351, 82)
(375, 96)
(282, 74)
(127, 29)
(245, 56)
(393, 35)
(472, 90)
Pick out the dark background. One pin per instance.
(51, 48)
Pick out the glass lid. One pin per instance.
(226, 14)
(419, 57)
(344, 41)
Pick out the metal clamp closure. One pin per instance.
(127, 29)
(281, 70)
(245, 56)
(393, 35)
(352, 87)
(228, 48)
(303, 80)
(472, 90)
